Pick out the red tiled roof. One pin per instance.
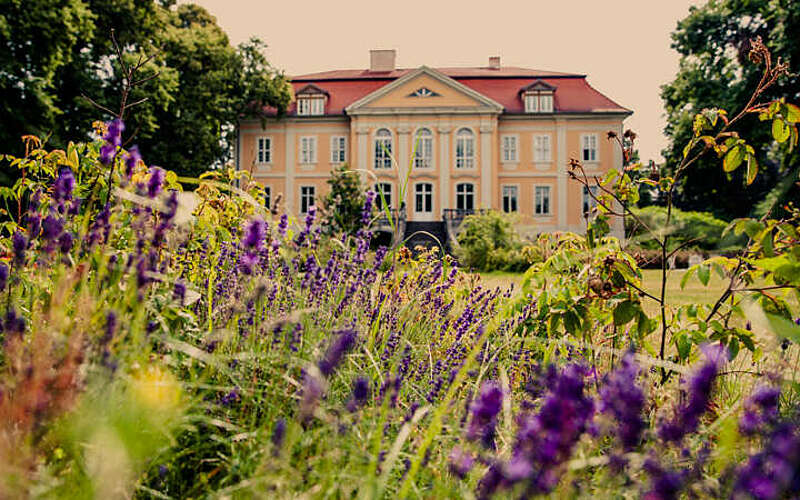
(573, 94)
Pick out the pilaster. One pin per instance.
(444, 166)
(487, 176)
(290, 166)
(561, 172)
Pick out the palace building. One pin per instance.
(487, 137)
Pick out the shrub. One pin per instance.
(693, 229)
(488, 242)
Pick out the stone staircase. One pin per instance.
(420, 233)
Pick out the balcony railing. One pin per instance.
(454, 216)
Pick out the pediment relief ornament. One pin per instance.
(424, 92)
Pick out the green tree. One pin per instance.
(186, 117)
(714, 42)
(345, 200)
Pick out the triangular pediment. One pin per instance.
(310, 90)
(537, 86)
(424, 90)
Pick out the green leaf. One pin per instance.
(688, 274)
(780, 130)
(624, 312)
(752, 169)
(733, 159)
(704, 274)
(792, 113)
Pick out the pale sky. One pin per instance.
(622, 45)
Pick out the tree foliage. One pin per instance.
(59, 51)
(344, 203)
(714, 42)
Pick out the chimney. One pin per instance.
(382, 59)
(494, 62)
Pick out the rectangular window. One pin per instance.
(531, 103)
(546, 103)
(510, 197)
(542, 200)
(268, 197)
(308, 150)
(307, 194)
(384, 189)
(589, 203)
(509, 148)
(338, 149)
(423, 198)
(465, 196)
(542, 152)
(589, 147)
(264, 150)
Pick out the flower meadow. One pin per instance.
(165, 337)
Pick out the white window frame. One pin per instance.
(538, 207)
(387, 194)
(542, 154)
(539, 101)
(423, 195)
(465, 142)
(509, 148)
(308, 149)
(465, 191)
(382, 157)
(263, 150)
(310, 106)
(338, 149)
(423, 144)
(308, 195)
(589, 144)
(588, 203)
(504, 195)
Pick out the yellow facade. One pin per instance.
(533, 170)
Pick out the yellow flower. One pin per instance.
(156, 389)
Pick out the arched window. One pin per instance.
(423, 149)
(465, 148)
(465, 196)
(383, 149)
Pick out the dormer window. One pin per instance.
(538, 97)
(311, 101)
(310, 106)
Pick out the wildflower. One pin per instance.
(366, 211)
(254, 234)
(484, 414)
(278, 435)
(760, 408)
(65, 242)
(111, 327)
(3, 276)
(231, 397)
(344, 341)
(687, 417)
(460, 462)
(773, 472)
(665, 484)
(623, 401)
(19, 244)
(154, 183)
(360, 394)
(64, 185)
(132, 159)
(113, 138)
(179, 291)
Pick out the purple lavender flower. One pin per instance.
(131, 160)
(19, 244)
(774, 472)
(247, 262)
(111, 327)
(179, 291)
(484, 413)
(460, 462)
(64, 185)
(312, 392)
(230, 398)
(65, 242)
(687, 417)
(3, 276)
(366, 211)
(623, 401)
(254, 234)
(665, 484)
(113, 138)
(278, 435)
(759, 409)
(283, 225)
(155, 182)
(360, 394)
(344, 341)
